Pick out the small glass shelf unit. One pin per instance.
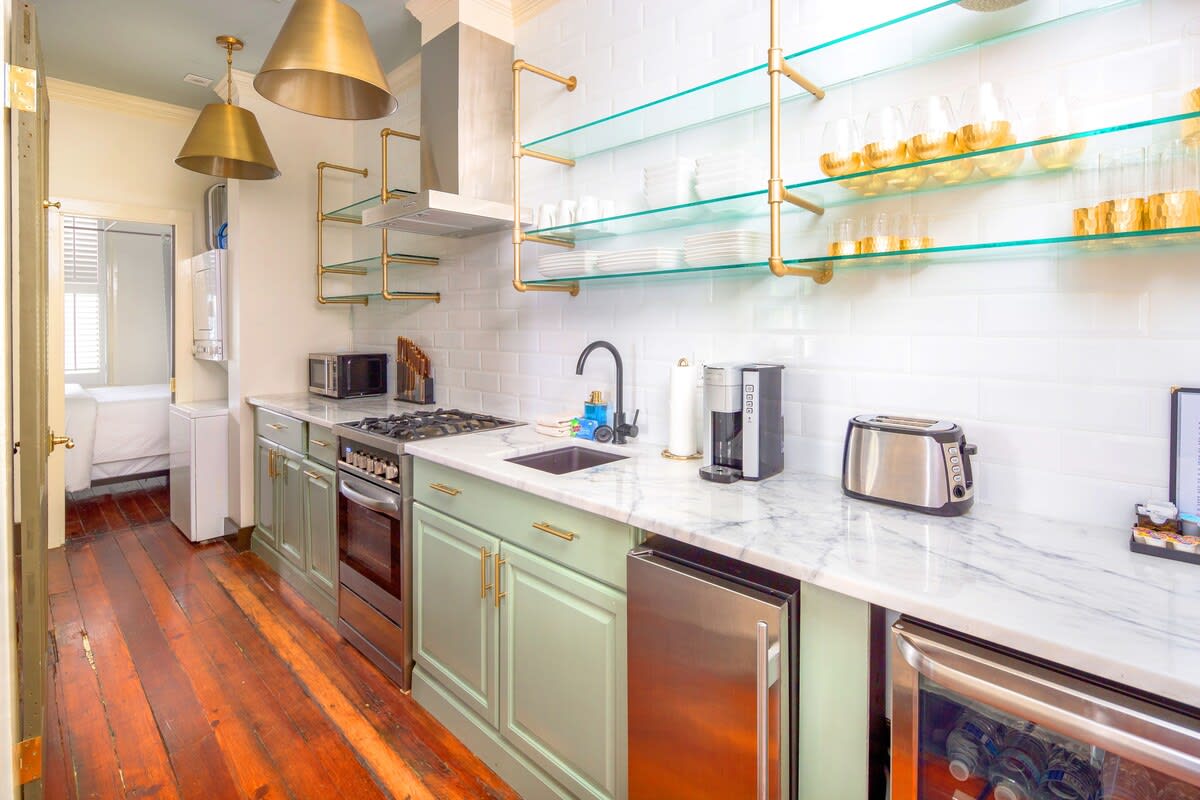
(892, 44)
(353, 213)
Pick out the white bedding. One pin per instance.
(118, 424)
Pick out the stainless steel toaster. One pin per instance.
(920, 464)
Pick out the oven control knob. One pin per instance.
(393, 472)
(380, 467)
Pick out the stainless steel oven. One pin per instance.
(344, 375)
(375, 569)
(973, 721)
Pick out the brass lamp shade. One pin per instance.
(227, 142)
(322, 63)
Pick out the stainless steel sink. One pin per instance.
(566, 459)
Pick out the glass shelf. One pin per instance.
(1062, 245)
(828, 192)
(371, 263)
(377, 295)
(828, 64)
(353, 212)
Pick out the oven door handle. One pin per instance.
(383, 506)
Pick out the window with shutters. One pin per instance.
(85, 284)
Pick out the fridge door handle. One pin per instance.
(1155, 736)
(766, 675)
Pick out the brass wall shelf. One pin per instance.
(352, 215)
(519, 152)
(1061, 246)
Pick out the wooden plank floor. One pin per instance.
(117, 506)
(189, 671)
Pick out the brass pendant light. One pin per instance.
(322, 63)
(226, 140)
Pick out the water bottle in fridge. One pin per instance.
(972, 744)
(1069, 776)
(1122, 779)
(1018, 769)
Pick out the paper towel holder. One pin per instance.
(667, 454)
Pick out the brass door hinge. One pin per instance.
(29, 760)
(20, 88)
(172, 384)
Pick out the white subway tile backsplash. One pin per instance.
(1057, 364)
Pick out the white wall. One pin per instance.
(116, 150)
(1058, 367)
(137, 323)
(275, 320)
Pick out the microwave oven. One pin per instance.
(347, 374)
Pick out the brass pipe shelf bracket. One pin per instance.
(519, 236)
(386, 259)
(322, 218)
(777, 195)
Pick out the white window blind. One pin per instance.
(85, 293)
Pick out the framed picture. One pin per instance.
(1185, 449)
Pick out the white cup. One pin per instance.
(567, 212)
(547, 215)
(589, 208)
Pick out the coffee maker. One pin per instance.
(743, 422)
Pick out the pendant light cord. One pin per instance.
(229, 73)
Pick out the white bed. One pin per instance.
(118, 431)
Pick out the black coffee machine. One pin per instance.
(743, 422)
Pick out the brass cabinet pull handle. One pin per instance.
(275, 426)
(499, 562)
(271, 464)
(318, 443)
(546, 527)
(484, 555)
(315, 476)
(444, 489)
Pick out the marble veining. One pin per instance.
(1066, 592)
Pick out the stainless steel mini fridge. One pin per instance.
(712, 677)
(970, 720)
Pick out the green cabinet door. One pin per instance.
(264, 491)
(454, 614)
(289, 468)
(562, 673)
(320, 529)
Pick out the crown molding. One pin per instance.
(406, 76)
(80, 94)
(525, 10)
(493, 17)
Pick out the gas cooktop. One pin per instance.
(392, 431)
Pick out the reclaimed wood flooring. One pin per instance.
(193, 671)
(117, 506)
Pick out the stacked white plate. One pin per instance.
(726, 247)
(650, 259)
(570, 264)
(726, 174)
(670, 184)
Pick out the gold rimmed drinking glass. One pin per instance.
(879, 233)
(1123, 185)
(1055, 118)
(933, 129)
(886, 137)
(841, 148)
(1174, 201)
(914, 233)
(1085, 187)
(1191, 72)
(985, 118)
(842, 241)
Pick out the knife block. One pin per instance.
(412, 388)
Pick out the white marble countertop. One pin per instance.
(1069, 593)
(327, 411)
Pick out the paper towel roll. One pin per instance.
(681, 432)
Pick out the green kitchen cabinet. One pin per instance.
(455, 622)
(519, 622)
(320, 526)
(562, 673)
(289, 470)
(295, 511)
(264, 491)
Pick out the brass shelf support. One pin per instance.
(322, 218)
(519, 151)
(386, 259)
(777, 195)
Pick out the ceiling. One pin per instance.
(145, 47)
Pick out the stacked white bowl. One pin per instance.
(724, 174)
(670, 184)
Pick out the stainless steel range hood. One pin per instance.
(466, 148)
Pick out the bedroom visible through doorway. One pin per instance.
(118, 303)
